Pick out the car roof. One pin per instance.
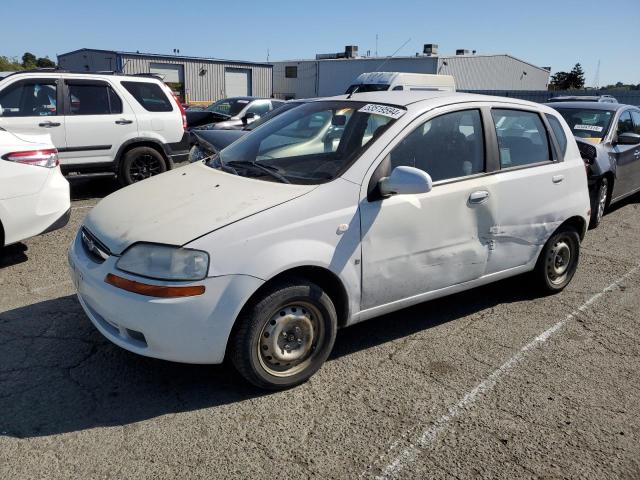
(432, 98)
(612, 107)
(247, 98)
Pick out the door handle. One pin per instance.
(557, 178)
(123, 121)
(49, 124)
(478, 197)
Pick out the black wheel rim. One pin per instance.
(144, 166)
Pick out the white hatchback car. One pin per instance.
(34, 196)
(264, 251)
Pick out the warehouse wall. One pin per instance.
(208, 87)
(493, 72)
(304, 86)
(88, 61)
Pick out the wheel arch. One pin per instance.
(577, 222)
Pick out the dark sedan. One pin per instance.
(608, 136)
(209, 142)
(231, 113)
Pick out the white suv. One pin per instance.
(130, 125)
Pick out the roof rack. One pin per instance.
(101, 72)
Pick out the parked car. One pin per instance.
(608, 136)
(264, 251)
(128, 125)
(383, 81)
(207, 142)
(584, 98)
(34, 196)
(231, 113)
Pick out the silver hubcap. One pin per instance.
(558, 262)
(289, 339)
(602, 200)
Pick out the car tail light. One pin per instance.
(41, 158)
(182, 111)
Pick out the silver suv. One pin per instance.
(130, 125)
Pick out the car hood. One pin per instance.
(181, 205)
(218, 139)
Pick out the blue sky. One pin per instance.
(546, 33)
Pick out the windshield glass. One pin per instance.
(585, 123)
(228, 106)
(273, 113)
(367, 87)
(311, 144)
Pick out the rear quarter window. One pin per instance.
(558, 132)
(149, 95)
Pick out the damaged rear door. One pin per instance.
(417, 243)
(533, 190)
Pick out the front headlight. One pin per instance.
(164, 262)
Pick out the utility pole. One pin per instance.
(376, 45)
(596, 78)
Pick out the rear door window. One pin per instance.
(29, 98)
(92, 99)
(558, 132)
(522, 138)
(149, 95)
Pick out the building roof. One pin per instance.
(412, 57)
(167, 56)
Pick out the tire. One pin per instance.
(295, 313)
(558, 260)
(599, 202)
(140, 163)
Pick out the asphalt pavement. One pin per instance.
(493, 383)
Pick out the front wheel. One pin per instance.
(285, 336)
(599, 203)
(558, 260)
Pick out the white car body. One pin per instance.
(33, 199)
(394, 81)
(89, 138)
(381, 255)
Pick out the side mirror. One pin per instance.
(248, 118)
(405, 180)
(628, 138)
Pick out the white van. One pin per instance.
(383, 81)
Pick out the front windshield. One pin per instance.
(311, 144)
(228, 106)
(585, 123)
(273, 113)
(367, 87)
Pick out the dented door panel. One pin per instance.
(413, 244)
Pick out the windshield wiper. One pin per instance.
(268, 169)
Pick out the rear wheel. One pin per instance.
(285, 336)
(599, 202)
(140, 163)
(558, 260)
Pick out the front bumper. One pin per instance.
(189, 329)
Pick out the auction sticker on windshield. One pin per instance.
(384, 110)
(591, 128)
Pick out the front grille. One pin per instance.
(96, 250)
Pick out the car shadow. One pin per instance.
(13, 255)
(58, 374)
(87, 188)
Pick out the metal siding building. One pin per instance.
(326, 77)
(203, 79)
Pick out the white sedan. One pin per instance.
(34, 196)
(262, 252)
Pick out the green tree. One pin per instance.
(9, 64)
(577, 77)
(568, 80)
(28, 60)
(45, 62)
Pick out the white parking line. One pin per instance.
(428, 436)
